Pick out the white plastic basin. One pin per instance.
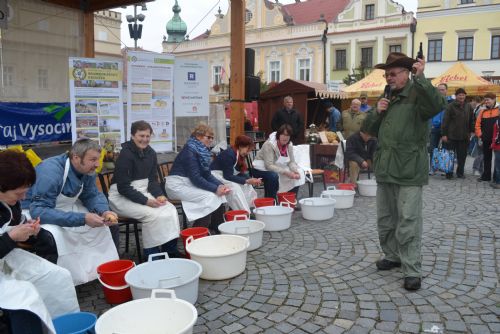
(180, 275)
(221, 256)
(155, 315)
(252, 229)
(317, 208)
(344, 198)
(276, 218)
(367, 187)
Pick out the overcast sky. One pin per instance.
(199, 16)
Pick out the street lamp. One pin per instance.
(324, 40)
(135, 28)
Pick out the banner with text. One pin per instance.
(191, 88)
(150, 87)
(29, 123)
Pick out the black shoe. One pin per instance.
(385, 264)
(412, 283)
(449, 176)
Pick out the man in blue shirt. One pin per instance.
(363, 97)
(333, 116)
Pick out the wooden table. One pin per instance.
(322, 154)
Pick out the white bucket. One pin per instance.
(180, 275)
(317, 208)
(221, 256)
(276, 218)
(367, 187)
(155, 315)
(344, 198)
(252, 229)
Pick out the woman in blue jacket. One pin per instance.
(192, 182)
(230, 168)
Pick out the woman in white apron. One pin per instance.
(27, 281)
(276, 160)
(192, 182)
(136, 193)
(230, 168)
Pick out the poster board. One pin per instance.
(96, 100)
(191, 88)
(150, 91)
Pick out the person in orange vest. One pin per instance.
(484, 131)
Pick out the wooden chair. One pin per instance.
(104, 183)
(163, 170)
(316, 174)
(346, 165)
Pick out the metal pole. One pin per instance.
(135, 27)
(1, 63)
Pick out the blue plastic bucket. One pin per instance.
(75, 323)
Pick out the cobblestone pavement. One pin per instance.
(320, 277)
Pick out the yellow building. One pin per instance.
(289, 39)
(107, 30)
(460, 30)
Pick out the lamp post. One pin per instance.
(134, 25)
(324, 40)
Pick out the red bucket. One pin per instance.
(345, 186)
(236, 215)
(288, 198)
(265, 201)
(112, 278)
(196, 232)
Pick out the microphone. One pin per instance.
(387, 92)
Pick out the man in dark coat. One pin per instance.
(360, 148)
(288, 115)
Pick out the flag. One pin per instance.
(222, 73)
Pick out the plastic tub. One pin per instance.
(221, 256)
(264, 201)
(75, 323)
(112, 277)
(155, 315)
(367, 187)
(344, 198)
(236, 215)
(317, 208)
(288, 198)
(276, 218)
(180, 275)
(196, 232)
(252, 229)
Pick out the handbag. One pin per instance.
(443, 160)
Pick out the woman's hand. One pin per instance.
(154, 203)
(110, 218)
(222, 190)
(162, 199)
(23, 231)
(254, 181)
(292, 175)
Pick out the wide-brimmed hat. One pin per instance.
(397, 59)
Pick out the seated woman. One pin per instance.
(32, 290)
(136, 193)
(276, 165)
(230, 168)
(192, 182)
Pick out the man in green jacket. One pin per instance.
(400, 120)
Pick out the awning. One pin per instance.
(373, 85)
(461, 76)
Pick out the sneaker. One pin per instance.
(412, 283)
(385, 264)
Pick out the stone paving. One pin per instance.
(320, 277)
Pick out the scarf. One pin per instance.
(203, 152)
(241, 165)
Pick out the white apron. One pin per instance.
(196, 202)
(159, 225)
(81, 249)
(285, 183)
(241, 196)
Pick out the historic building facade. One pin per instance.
(460, 30)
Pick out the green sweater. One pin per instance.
(403, 132)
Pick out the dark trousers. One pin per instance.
(22, 322)
(271, 181)
(212, 220)
(42, 245)
(486, 176)
(460, 148)
(170, 247)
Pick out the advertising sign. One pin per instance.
(191, 88)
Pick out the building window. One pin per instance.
(465, 48)
(369, 12)
(434, 50)
(395, 48)
(8, 76)
(463, 2)
(43, 78)
(367, 57)
(340, 59)
(217, 72)
(305, 69)
(248, 16)
(274, 71)
(495, 47)
(102, 35)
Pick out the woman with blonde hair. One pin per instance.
(192, 182)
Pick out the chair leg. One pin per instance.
(137, 242)
(324, 181)
(127, 239)
(311, 187)
(184, 220)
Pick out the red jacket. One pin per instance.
(495, 141)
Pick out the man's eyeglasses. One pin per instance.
(210, 137)
(393, 74)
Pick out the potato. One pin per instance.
(110, 218)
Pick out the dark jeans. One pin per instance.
(271, 181)
(496, 175)
(486, 176)
(433, 143)
(212, 220)
(170, 247)
(460, 148)
(23, 322)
